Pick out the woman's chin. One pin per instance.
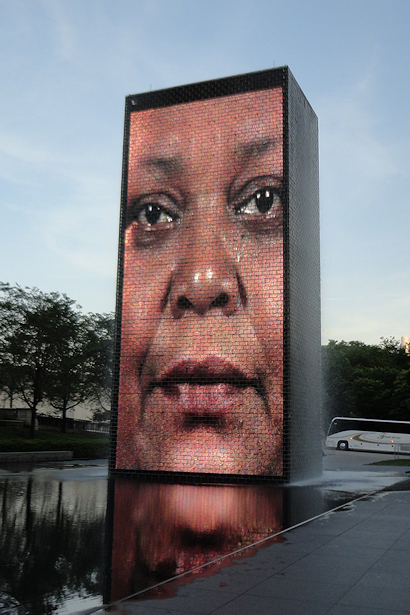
(207, 451)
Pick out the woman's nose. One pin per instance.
(206, 276)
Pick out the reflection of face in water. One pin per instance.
(161, 531)
(202, 317)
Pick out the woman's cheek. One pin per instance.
(264, 291)
(146, 282)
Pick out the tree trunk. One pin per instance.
(33, 422)
(64, 421)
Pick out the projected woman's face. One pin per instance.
(202, 317)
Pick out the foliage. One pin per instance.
(402, 395)
(366, 380)
(101, 342)
(82, 372)
(8, 375)
(50, 351)
(35, 327)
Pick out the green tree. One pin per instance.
(372, 393)
(401, 396)
(35, 328)
(366, 380)
(68, 384)
(82, 371)
(101, 348)
(8, 375)
(337, 376)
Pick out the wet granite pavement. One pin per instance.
(351, 560)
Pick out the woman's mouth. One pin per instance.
(210, 370)
(204, 394)
(207, 414)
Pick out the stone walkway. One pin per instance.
(354, 560)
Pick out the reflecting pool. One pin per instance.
(60, 552)
(51, 540)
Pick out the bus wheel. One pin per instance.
(343, 445)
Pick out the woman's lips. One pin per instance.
(205, 393)
(206, 405)
(209, 371)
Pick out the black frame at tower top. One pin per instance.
(215, 88)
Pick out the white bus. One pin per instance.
(369, 435)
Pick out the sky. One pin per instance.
(67, 65)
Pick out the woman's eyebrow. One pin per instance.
(254, 148)
(167, 164)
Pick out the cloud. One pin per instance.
(62, 29)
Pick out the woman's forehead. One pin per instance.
(240, 116)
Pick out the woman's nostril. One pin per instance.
(184, 303)
(221, 300)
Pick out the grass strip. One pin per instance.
(392, 462)
(85, 445)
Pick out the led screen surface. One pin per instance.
(201, 359)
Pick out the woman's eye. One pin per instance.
(151, 214)
(260, 202)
